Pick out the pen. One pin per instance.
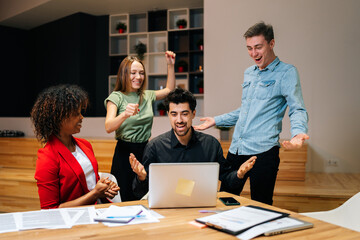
(210, 211)
(134, 216)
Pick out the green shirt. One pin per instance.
(137, 128)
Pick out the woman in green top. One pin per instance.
(130, 114)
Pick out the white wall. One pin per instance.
(92, 127)
(321, 38)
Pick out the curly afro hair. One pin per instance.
(53, 106)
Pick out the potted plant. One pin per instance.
(181, 23)
(200, 86)
(224, 133)
(182, 66)
(140, 50)
(161, 108)
(121, 27)
(200, 44)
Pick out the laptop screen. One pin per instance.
(183, 184)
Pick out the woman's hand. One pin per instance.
(170, 57)
(131, 109)
(101, 187)
(113, 189)
(114, 121)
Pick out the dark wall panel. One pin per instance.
(63, 52)
(71, 50)
(15, 93)
(102, 63)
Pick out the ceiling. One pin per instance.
(27, 14)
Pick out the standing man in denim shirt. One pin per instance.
(269, 87)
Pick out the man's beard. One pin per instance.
(180, 134)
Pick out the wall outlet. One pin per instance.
(332, 163)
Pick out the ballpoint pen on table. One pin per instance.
(134, 216)
(210, 211)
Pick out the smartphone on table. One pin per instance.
(229, 201)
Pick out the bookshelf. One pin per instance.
(159, 31)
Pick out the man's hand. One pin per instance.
(137, 167)
(208, 122)
(245, 167)
(296, 142)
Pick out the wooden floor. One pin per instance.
(312, 191)
(319, 191)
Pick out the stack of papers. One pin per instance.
(68, 217)
(118, 216)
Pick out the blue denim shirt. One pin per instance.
(266, 95)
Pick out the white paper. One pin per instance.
(240, 218)
(81, 216)
(8, 223)
(119, 214)
(148, 218)
(155, 214)
(53, 219)
(269, 226)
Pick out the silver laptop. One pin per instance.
(183, 184)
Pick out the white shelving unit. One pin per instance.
(114, 20)
(176, 14)
(164, 34)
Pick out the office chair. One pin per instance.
(347, 215)
(117, 198)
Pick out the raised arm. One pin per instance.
(170, 83)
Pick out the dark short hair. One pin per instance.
(260, 28)
(54, 105)
(179, 95)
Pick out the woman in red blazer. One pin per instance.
(66, 168)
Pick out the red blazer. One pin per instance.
(59, 176)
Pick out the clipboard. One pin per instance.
(274, 227)
(302, 225)
(234, 221)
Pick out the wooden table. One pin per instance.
(176, 225)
